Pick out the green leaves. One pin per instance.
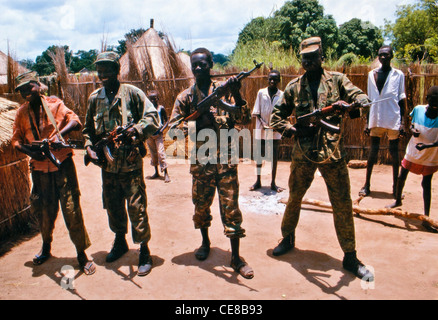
(300, 19)
(415, 32)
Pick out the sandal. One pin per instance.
(89, 268)
(43, 255)
(243, 269)
(41, 258)
(202, 253)
(365, 191)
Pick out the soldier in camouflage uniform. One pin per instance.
(317, 148)
(113, 105)
(212, 173)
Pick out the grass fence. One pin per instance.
(418, 79)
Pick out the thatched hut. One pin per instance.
(153, 64)
(152, 58)
(15, 216)
(9, 69)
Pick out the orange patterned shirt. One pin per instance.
(22, 130)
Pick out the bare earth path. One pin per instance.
(393, 247)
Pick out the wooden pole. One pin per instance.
(382, 211)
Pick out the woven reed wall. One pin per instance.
(418, 80)
(15, 216)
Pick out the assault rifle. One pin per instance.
(218, 93)
(318, 117)
(114, 140)
(45, 148)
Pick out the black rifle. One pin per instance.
(45, 147)
(114, 140)
(318, 117)
(218, 93)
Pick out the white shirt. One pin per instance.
(263, 106)
(386, 114)
(428, 134)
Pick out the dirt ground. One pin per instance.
(401, 252)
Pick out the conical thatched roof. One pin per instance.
(4, 68)
(8, 110)
(151, 58)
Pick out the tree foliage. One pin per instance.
(358, 37)
(44, 64)
(295, 21)
(414, 34)
(132, 36)
(83, 59)
(300, 19)
(75, 62)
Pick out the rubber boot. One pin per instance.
(144, 261)
(354, 265)
(120, 247)
(287, 244)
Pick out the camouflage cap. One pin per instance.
(108, 56)
(25, 78)
(310, 45)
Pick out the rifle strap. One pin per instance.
(123, 104)
(35, 131)
(326, 159)
(51, 118)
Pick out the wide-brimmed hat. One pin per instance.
(25, 78)
(310, 45)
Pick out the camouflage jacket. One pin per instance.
(216, 119)
(297, 99)
(103, 116)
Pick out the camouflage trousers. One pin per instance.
(127, 189)
(223, 178)
(337, 181)
(54, 188)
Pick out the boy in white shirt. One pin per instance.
(385, 117)
(266, 99)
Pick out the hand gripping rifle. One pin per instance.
(218, 93)
(318, 117)
(45, 147)
(114, 140)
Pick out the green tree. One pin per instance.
(301, 19)
(358, 37)
(132, 36)
(44, 63)
(295, 21)
(83, 59)
(414, 34)
(260, 28)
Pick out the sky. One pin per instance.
(29, 27)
